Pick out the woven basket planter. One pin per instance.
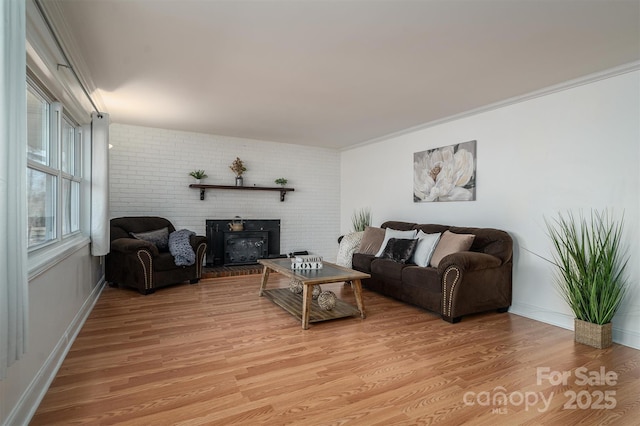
(595, 335)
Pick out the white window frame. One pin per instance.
(72, 176)
(48, 253)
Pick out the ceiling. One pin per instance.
(332, 73)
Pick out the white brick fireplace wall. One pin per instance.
(150, 176)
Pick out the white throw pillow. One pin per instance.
(426, 246)
(392, 233)
(348, 245)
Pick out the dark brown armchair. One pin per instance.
(141, 264)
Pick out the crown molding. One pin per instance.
(570, 84)
(56, 17)
(47, 63)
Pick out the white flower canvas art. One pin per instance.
(447, 173)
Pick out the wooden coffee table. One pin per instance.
(330, 273)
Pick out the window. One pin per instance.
(70, 178)
(53, 170)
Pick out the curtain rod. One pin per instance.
(64, 55)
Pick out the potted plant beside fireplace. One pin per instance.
(591, 262)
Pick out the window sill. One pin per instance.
(47, 257)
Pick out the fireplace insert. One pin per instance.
(245, 247)
(226, 247)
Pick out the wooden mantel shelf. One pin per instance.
(283, 191)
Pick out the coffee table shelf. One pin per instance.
(292, 303)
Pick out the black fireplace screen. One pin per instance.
(245, 247)
(218, 233)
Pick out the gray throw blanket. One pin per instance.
(180, 247)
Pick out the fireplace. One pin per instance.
(245, 247)
(260, 239)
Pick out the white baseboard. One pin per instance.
(627, 338)
(32, 396)
(543, 315)
(623, 337)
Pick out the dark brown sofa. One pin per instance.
(464, 283)
(139, 264)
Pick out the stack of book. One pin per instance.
(306, 262)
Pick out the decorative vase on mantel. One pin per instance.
(238, 168)
(594, 335)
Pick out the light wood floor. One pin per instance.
(217, 354)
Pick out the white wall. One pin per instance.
(574, 149)
(149, 176)
(60, 298)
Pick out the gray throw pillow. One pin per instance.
(159, 237)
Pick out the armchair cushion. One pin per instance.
(131, 245)
(164, 262)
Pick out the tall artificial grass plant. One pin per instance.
(591, 262)
(361, 219)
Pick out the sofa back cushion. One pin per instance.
(362, 262)
(432, 228)
(400, 226)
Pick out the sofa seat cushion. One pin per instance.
(424, 278)
(388, 269)
(362, 262)
(164, 262)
